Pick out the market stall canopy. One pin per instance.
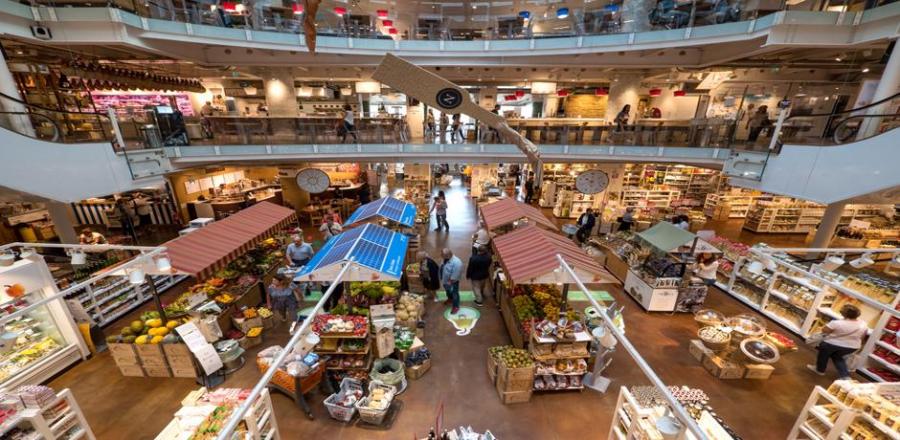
(212, 247)
(528, 256)
(377, 251)
(386, 207)
(669, 238)
(508, 211)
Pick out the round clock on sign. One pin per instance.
(591, 182)
(313, 180)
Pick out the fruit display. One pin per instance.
(516, 358)
(536, 301)
(410, 307)
(497, 351)
(524, 307)
(366, 293)
(148, 330)
(345, 325)
(264, 312)
(254, 332)
(417, 357)
(24, 352)
(403, 337)
(250, 313)
(15, 290)
(561, 329)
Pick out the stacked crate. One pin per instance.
(180, 361)
(153, 360)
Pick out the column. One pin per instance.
(889, 84)
(622, 92)
(281, 98)
(62, 222)
(828, 225)
(19, 123)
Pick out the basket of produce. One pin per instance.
(780, 341)
(342, 404)
(708, 317)
(347, 326)
(388, 371)
(715, 337)
(374, 407)
(268, 318)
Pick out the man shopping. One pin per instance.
(451, 270)
(478, 272)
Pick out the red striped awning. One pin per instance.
(212, 247)
(507, 211)
(528, 256)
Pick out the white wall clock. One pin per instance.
(591, 182)
(313, 180)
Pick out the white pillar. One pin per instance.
(889, 84)
(828, 225)
(281, 97)
(20, 123)
(624, 91)
(62, 222)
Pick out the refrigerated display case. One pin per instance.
(37, 341)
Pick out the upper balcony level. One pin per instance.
(726, 28)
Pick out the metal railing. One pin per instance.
(844, 126)
(53, 125)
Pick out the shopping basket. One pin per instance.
(375, 416)
(339, 412)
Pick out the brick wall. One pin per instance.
(585, 106)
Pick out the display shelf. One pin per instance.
(260, 415)
(633, 421)
(71, 418)
(888, 347)
(839, 419)
(740, 203)
(885, 363)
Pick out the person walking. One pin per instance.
(706, 267)
(451, 270)
(586, 222)
(429, 274)
(478, 271)
(330, 228)
(482, 238)
(297, 255)
(439, 207)
(444, 122)
(621, 119)
(456, 129)
(529, 187)
(841, 337)
(283, 297)
(348, 124)
(757, 123)
(429, 125)
(627, 219)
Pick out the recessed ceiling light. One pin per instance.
(865, 70)
(838, 59)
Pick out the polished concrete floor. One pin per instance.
(120, 407)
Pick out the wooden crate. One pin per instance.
(698, 350)
(758, 371)
(124, 354)
(184, 372)
(131, 370)
(492, 369)
(507, 385)
(514, 374)
(157, 371)
(723, 368)
(417, 371)
(510, 397)
(176, 350)
(512, 326)
(180, 362)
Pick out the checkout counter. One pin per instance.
(231, 201)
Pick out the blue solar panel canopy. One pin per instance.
(386, 207)
(377, 251)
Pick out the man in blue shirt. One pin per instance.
(298, 254)
(451, 271)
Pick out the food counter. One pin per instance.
(222, 205)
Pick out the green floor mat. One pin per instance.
(599, 295)
(464, 295)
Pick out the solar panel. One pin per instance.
(369, 254)
(372, 246)
(387, 207)
(336, 254)
(379, 236)
(349, 235)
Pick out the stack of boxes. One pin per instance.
(723, 365)
(153, 360)
(514, 385)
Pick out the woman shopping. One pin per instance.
(283, 297)
(707, 265)
(842, 337)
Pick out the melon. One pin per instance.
(156, 340)
(126, 331)
(129, 339)
(137, 326)
(172, 324)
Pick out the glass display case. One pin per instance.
(37, 340)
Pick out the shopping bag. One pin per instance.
(815, 339)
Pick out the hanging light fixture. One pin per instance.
(562, 93)
(136, 276)
(680, 93)
(340, 11)
(388, 23)
(520, 93)
(78, 257)
(562, 13)
(601, 91)
(163, 264)
(297, 8)
(655, 92)
(229, 6)
(382, 13)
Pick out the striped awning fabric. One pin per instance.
(507, 211)
(529, 253)
(212, 247)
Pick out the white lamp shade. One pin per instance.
(136, 276)
(163, 264)
(368, 87)
(864, 261)
(831, 263)
(755, 268)
(543, 88)
(79, 258)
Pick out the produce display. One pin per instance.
(366, 293)
(347, 325)
(148, 330)
(409, 308)
(417, 357)
(254, 332)
(403, 338)
(205, 413)
(264, 313)
(537, 302)
(715, 337)
(515, 358)
(27, 350)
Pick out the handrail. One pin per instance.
(876, 103)
(69, 112)
(56, 130)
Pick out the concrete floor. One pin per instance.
(120, 407)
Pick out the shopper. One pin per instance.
(758, 122)
(205, 123)
(88, 236)
(429, 125)
(529, 187)
(478, 271)
(706, 267)
(621, 119)
(283, 297)
(451, 270)
(335, 216)
(456, 129)
(336, 294)
(841, 338)
(348, 124)
(682, 222)
(439, 207)
(444, 122)
(142, 207)
(330, 228)
(298, 253)
(429, 274)
(627, 219)
(586, 223)
(482, 238)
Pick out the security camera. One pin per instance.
(41, 32)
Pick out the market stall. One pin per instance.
(657, 265)
(387, 208)
(531, 275)
(203, 412)
(504, 215)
